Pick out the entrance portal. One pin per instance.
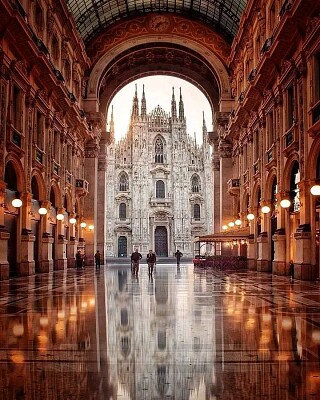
(122, 246)
(161, 241)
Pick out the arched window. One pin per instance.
(123, 182)
(158, 151)
(122, 211)
(160, 190)
(196, 212)
(195, 184)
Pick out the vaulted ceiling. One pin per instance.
(93, 16)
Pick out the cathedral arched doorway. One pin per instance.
(161, 241)
(122, 246)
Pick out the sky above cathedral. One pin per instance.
(158, 91)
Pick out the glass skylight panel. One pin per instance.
(92, 16)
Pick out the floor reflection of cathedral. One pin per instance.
(177, 335)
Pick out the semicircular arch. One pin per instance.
(19, 171)
(41, 186)
(195, 37)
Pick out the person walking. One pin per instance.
(97, 258)
(79, 259)
(151, 260)
(178, 256)
(135, 258)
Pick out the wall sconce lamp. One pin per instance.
(250, 217)
(42, 211)
(265, 209)
(60, 217)
(285, 203)
(224, 227)
(231, 224)
(315, 190)
(83, 224)
(72, 221)
(17, 203)
(237, 222)
(91, 227)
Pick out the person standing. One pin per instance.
(135, 258)
(178, 256)
(79, 259)
(97, 258)
(151, 260)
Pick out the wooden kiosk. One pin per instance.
(224, 250)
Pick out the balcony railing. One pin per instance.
(270, 154)
(252, 75)
(255, 167)
(286, 6)
(16, 138)
(55, 168)
(68, 178)
(316, 114)
(39, 156)
(82, 187)
(245, 177)
(233, 186)
(288, 138)
(241, 97)
(163, 202)
(266, 46)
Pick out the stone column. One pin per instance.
(215, 162)
(25, 263)
(72, 245)
(226, 211)
(61, 246)
(101, 201)
(303, 269)
(90, 201)
(4, 236)
(46, 261)
(280, 265)
(216, 193)
(263, 261)
(252, 244)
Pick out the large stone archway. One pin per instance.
(144, 46)
(151, 44)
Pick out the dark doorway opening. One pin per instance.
(122, 246)
(161, 241)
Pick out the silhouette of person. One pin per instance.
(178, 256)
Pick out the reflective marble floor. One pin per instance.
(181, 335)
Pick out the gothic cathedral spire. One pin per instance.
(111, 124)
(143, 104)
(135, 105)
(181, 107)
(173, 106)
(204, 129)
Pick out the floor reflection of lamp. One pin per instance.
(18, 329)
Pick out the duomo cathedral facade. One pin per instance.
(159, 183)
